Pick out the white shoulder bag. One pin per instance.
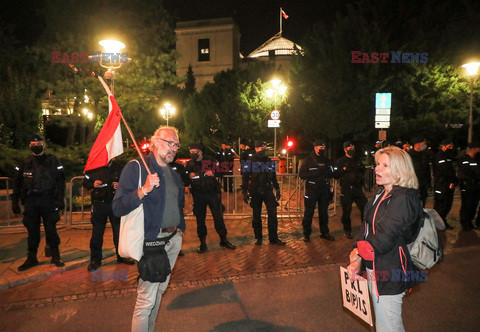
(132, 232)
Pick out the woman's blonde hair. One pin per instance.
(401, 166)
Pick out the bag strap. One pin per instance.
(157, 242)
(139, 174)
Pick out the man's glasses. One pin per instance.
(171, 144)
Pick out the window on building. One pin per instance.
(204, 49)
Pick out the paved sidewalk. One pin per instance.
(195, 268)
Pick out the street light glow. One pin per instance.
(168, 111)
(270, 93)
(112, 46)
(275, 83)
(282, 89)
(472, 68)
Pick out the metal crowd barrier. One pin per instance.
(292, 190)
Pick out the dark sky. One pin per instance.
(258, 20)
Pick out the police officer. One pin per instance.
(258, 180)
(469, 177)
(39, 185)
(352, 172)
(444, 180)
(317, 170)
(103, 182)
(421, 164)
(206, 192)
(245, 153)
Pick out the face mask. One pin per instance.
(260, 154)
(423, 148)
(351, 153)
(450, 153)
(194, 156)
(37, 149)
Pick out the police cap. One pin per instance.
(348, 144)
(446, 141)
(418, 139)
(36, 138)
(258, 144)
(197, 146)
(319, 142)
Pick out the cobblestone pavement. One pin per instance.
(215, 266)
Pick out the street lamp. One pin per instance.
(167, 111)
(111, 47)
(472, 70)
(272, 93)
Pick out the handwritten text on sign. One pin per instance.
(355, 296)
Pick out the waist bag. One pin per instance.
(154, 265)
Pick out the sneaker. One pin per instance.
(306, 238)
(258, 242)
(29, 263)
(202, 248)
(349, 235)
(93, 266)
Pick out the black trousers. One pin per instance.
(37, 209)
(271, 204)
(347, 198)
(101, 211)
(468, 208)
(443, 200)
(312, 198)
(200, 202)
(423, 188)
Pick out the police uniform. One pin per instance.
(39, 184)
(258, 181)
(352, 172)
(101, 210)
(317, 170)
(444, 181)
(421, 165)
(469, 177)
(206, 192)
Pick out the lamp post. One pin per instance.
(472, 70)
(167, 111)
(111, 47)
(272, 93)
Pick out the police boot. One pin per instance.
(56, 257)
(225, 243)
(48, 251)
(30, 262)
(203, 246)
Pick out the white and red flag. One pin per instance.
(109, 141)
(285, 16)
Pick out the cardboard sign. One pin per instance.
(355, 296)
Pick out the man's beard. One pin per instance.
(168, 157)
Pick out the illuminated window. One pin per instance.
(204, 49)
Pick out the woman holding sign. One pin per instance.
(391, 219)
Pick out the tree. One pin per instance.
(190, 82)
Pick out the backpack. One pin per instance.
(426, 250)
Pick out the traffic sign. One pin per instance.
(382, 118)
(379, 124)
(273, 123)
(382, 111)
(275, 115)
(383, 100)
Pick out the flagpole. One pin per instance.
(105, 86)
(280, 21)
